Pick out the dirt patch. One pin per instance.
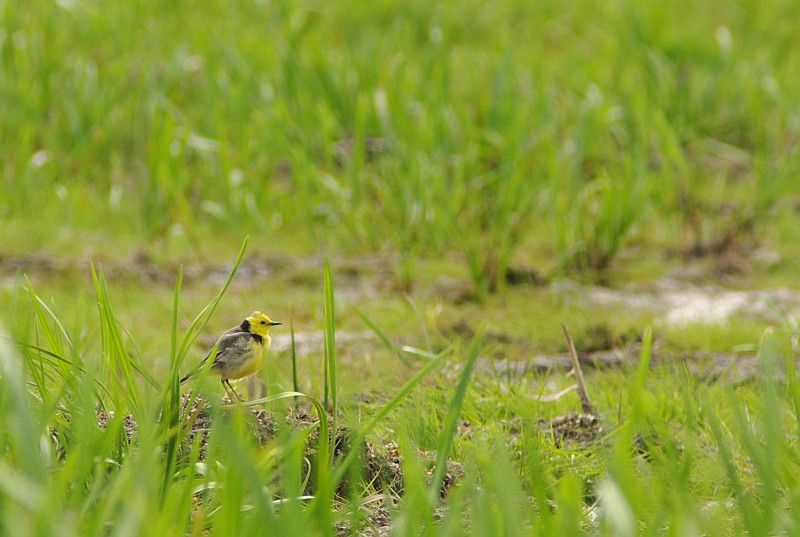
(464, 330)
(733, 368)
(524, 276)
(729, 367)
(573, 430)
(129, 425)
(454, 290)
(372, 147)
(680, 303)
(512, 369)
(676, 299)
(382, 462)
(375, 522)
(141, 267)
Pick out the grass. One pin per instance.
(677, 452)
(429, 190)
(425, 130)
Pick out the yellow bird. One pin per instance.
(240, 350)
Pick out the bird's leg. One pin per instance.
(228, 382)
(224, 387)
(227, 392)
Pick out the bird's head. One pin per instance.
(258, 323)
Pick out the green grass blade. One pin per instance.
(330, 339)
(173, 340)
(644, 357)
(19, 419)
(451, 420)
(295, 383)
(171, 415)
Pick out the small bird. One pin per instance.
(240, 351)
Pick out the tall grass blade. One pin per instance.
(295, 383)
(171, 416)
(644, 357)
(451, 420)
(330, 338)
(19, 419)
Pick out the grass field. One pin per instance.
(423, 193)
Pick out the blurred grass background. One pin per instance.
(552, 135)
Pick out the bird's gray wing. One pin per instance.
(224, 343)
(231, 344)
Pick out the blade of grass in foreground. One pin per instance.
(793, 388)
(295, 384)
(450, 423)
(19, 419)
(644, 358)
(173, 341)
(325, 485)
(171, 418)
(330, 342)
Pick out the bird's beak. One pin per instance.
(273, 323)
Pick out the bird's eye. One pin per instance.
(263, 322)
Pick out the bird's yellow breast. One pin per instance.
(251, 363)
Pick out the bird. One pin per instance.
(240, 351)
